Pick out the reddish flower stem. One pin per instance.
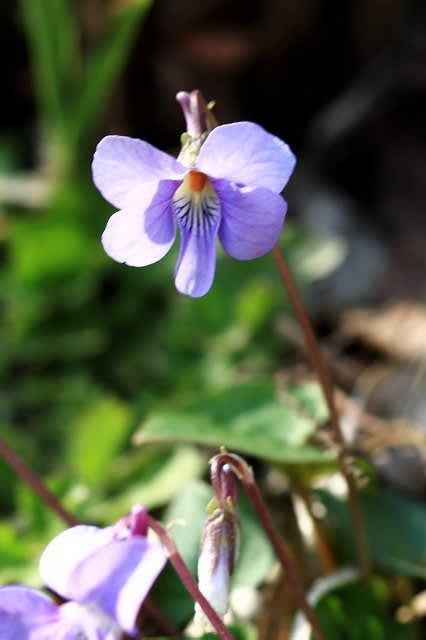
(187, 579)
(318, 364)
(37, 485)
(245, 474)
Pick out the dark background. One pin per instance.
(342, 82)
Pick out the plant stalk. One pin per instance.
(187, 579)
(37, 485)
(318, 364)
(245, 474)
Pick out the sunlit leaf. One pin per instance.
(157, 481)
(97, 437)
(105, 63)
(248, 418)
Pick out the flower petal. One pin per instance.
(78, 621)
(143, 233)
(113, 575)
(23, 611)
(66, 551)
(252, 220)
(245, 153)
(196, 263)
(122, 164)
(118, 577)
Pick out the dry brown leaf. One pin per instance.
(398, 330)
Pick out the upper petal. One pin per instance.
(252, 219)
(122, 164)
(196, 263)
(66, 551)
(144, 232)
(23, 611)
(114, 575)
(245, 153)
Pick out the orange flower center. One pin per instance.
(197, 180)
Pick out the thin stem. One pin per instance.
(322, 543)
(159, 618)
(187, 580)
(245, 474)
(319, 365)
(36, 484)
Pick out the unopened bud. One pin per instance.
(219, 550)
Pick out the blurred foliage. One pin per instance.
(354, 612)
(248, 418)
(90, 349)
(396, 527)
(89, 346)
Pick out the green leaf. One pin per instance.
(358, 612)
(105, 64)
(396, 529)
(48, 249)
(67, 38)
(96, 438)
(14, 550)
(256, 556)
(161, 474)
(248, 418)
(42, 35)
(239, 631)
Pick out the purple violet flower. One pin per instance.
(227, 185)
(105, 574)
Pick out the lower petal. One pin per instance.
(23, 611)
(79, 621)
(252, 219)
(196, 264)
(144, 233)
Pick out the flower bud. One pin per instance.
(219, 551)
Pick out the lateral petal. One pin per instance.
(252, 219)
(143, 233)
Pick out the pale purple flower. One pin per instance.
(105, 574)
(230, 188)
